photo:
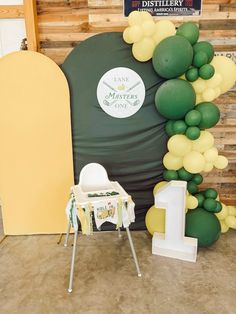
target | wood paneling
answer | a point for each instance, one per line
(65, 23)
(11, 11)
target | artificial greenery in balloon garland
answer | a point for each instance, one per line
(195, 77)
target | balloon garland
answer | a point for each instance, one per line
(195, 77)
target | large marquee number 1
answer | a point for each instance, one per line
(173, 243)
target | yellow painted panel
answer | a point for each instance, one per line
(36, 168)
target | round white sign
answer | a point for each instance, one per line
(121, 92)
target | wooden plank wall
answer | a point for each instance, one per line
(65, 23)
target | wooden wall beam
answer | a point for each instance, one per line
(31, 24)
(11, 11)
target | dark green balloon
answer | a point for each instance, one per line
(193, 118)
(206, 71)
(200, 197)
(218, 207)
(169, 128)
(169, 175)
(200, 58)
(172, 57)
(202, 225)
(206, 47)
(192, 187)
(184, 175)
(175, 98)
(190, 31)
(211, 193)
(179, 127)
(210, 114)
(210, 204)
(192, 74)
(197, 178)
(193, 133)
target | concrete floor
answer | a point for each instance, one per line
(34, 273)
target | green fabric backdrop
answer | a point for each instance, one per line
(131, 149)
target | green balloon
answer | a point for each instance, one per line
(193, 118)
(190, 31)
(210, 204)
(172, 57)
(206, 71)
(192, 187)
(197, 178)
(206, 47)
(192, 74)
(200, 58)
(184, 175)
(179, 127)
(200, 197)
(175, 98)
(218, 207)
(211, 193)
(193, 133)
(169, 128)
(210, 114)
(202, 225)
(169, 175)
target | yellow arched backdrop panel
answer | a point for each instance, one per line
(36, 169)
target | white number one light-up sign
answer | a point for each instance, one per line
(173, 243)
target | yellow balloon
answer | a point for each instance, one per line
(227, 69)
(221, 162)
(204, 142)
(172, 162)
(143, 50)
(146, 16)
(194, 162)
(208, 167)
(148, 28)
(217, 92)
(158, 186)
(163, 30)
(135, 18)
(135, 33)
(126, 36)
(223, 213)
(208, 94)
(214, 81)
(199, 85)
(179, 145)
(232, 210)
(211, 154)
(224, 227)
(230, 221)
(155, 220)
(199, 98)
(191, 202)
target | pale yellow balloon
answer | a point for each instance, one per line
(224, 227)
(199, 85)
(232, 210)
(126, 36)
(194, 162)
(198, 99)
(191, 202)
(223, 213)
(211, 154)
(221, 162)
(163, 30)
(158, 186)
(148, 28)
(135, 33)
(208, 167)
(135, 18)
(155, 220)
(227, 69)
(230, 221)
(179, 145)
(208, 94)
(218, 198)
(146, 16)
(214, 81)
(217, 91)
(143, 50)
(172, 162)
(204, 142)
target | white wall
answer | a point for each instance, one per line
(12, 31)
